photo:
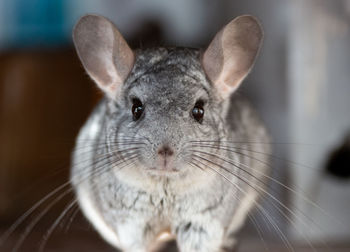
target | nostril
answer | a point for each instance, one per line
(165, 151)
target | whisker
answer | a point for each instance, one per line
(77, 210)
(62, 168)
(51, 174)
(272, 222)
(266, 193)
(22, 218)
(30, 227)
(101, 146)
(259, 230)
(119, 138)
(302, 196)
(227, 148)
(58, 220)
(218, 157)
(288, 188)
(54, 225)
(254, 142)
(251, 217)
(72, 218)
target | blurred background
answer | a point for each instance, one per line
(300, 85)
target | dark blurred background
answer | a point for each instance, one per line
(300, 85)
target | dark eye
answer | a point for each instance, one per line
(137, 109)
(198, 111)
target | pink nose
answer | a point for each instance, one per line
(165, 151)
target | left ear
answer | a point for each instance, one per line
(231, 55)
(104, 53)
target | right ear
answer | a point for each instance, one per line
(231, 54)
(103, 51)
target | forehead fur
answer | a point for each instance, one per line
(167, 69)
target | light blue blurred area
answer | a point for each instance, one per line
(33, 23)
(38, 23)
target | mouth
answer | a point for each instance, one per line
(162, 172)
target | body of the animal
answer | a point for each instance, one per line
(171, 148)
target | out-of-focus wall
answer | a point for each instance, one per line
(319, 92)
(185, 23)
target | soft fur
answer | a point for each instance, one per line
(201, 204)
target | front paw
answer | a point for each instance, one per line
(192, 237)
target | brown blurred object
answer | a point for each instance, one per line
(45, 96)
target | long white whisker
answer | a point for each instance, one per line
(282, 235)
(250, 216)
(38, 204)
(269, 195)
(54, 225)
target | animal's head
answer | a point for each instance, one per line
(162, 101)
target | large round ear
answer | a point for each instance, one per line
(231, 54)
(103, 51)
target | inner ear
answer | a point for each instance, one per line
(105, 55)
(231, 54)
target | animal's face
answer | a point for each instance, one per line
(167, 104)
(162, 101)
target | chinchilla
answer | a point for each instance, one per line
(169, 149)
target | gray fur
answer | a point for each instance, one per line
(198, 206)
(205, 201)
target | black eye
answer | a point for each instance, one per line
(137, 109)
(198, 111)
